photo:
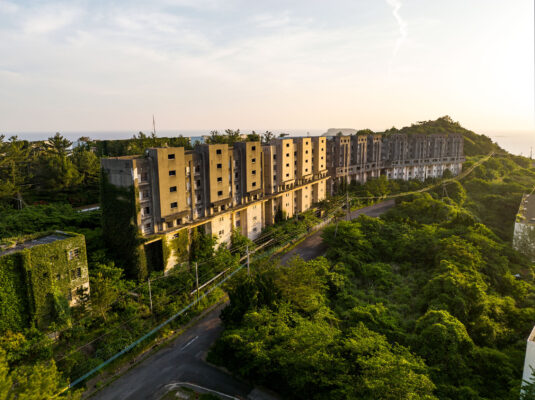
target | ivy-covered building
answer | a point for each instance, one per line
(524, 233)
(41, 276)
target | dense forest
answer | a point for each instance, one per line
(427, 302)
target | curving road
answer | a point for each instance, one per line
(182, 360)
(313, 245)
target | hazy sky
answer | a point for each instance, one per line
(207, 64)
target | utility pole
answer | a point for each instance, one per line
(197, 279)
(150, 297)
(347, 204)
(248, 269)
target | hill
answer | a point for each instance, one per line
(474, 144)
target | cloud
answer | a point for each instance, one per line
(402, 24)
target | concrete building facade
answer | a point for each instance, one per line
(42, 267)
(358, 158)
(247, 185)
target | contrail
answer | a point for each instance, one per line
(396, 5)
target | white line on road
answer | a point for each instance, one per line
(190, 342)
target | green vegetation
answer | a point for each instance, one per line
(120, 232)
(37, 283)
(421, 303)
(137, 145)
(44, 171)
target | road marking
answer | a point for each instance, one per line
(190, 342)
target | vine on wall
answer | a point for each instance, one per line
(35, 282)
(119, 229)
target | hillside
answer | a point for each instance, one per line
(474, 144)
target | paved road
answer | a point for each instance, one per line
(183, 361)
(313, 246)
(180, 362)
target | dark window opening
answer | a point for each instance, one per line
(172, 189)
(170, 156)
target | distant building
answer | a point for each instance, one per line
(39, 275)
(357, 158)
(529, 360)
(524, 232)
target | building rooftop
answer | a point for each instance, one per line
(526, 211)
(26, 244)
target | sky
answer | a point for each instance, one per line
(291, 65)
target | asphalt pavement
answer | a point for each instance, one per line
(183, 360)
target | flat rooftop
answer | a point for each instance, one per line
(46, 239)
(526, 211)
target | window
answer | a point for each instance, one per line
(197, 168)
(254, 218)
(287, 144)
(198, 183)
(170, 224)
(306, 161)
(172, 173)
(220, 193)
(255, 229)
(306, 169)
(274, 177)
(218, 151)
(288, 164)
(174, 204)
(274, 156)
(170, 156)
(219, 166)
(253, 148)
(287, 154)
(253, 171)
(146, 211)
(172, 189)
(199, 197)
(144, 177)
(73, 254)
(306, 151)
(221, 232)
(145, 194)
(287, 175)
(254, 184)
(147, 225)
(78, 272)
(295, 153)
(219, 180)
(253, 160)
(236, 175)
